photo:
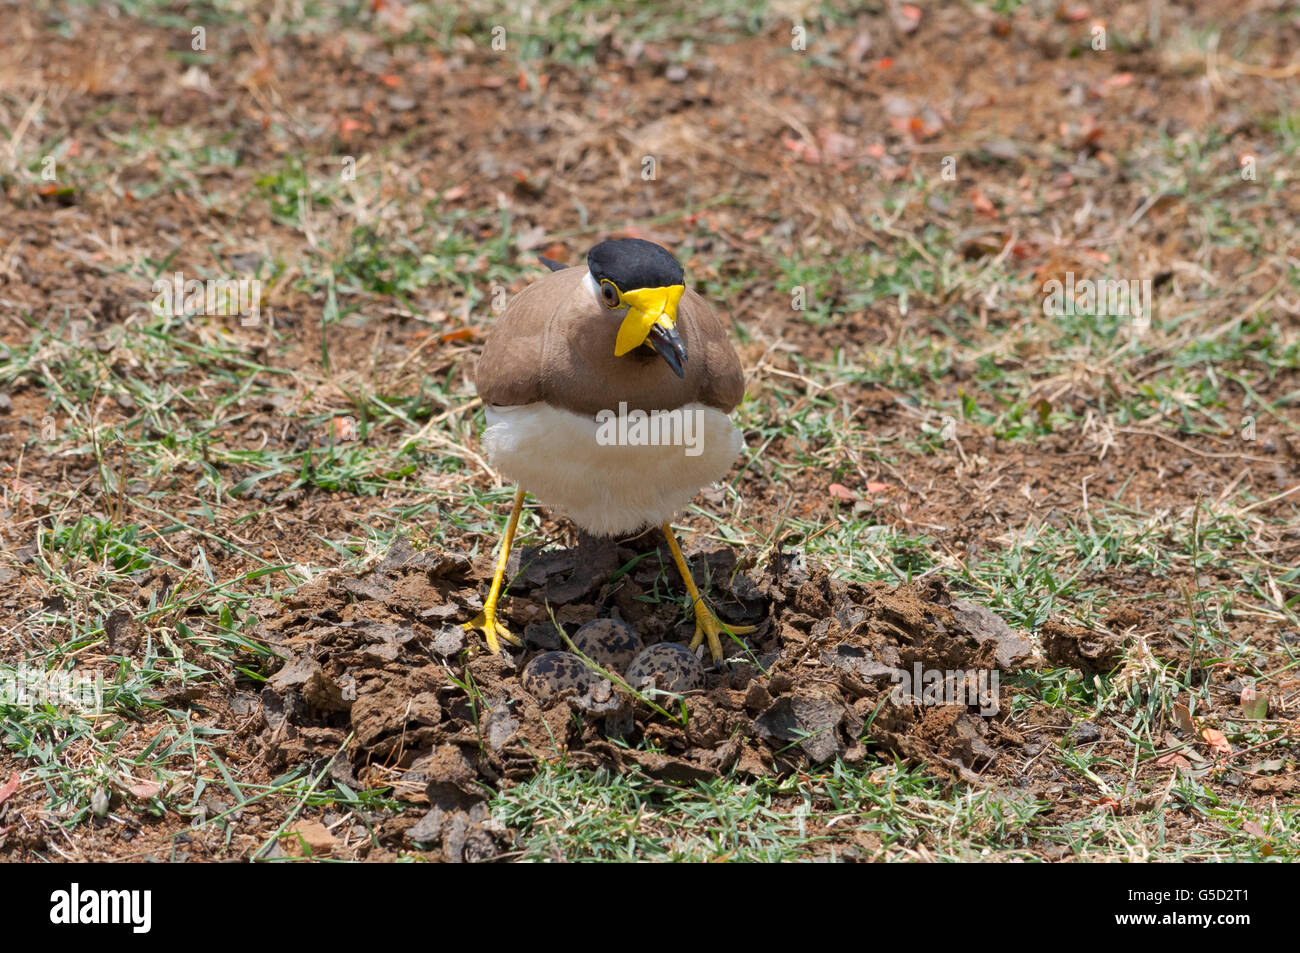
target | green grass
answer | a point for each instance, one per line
(878, 811)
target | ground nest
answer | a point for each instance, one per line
(380, 677)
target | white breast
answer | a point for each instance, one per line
(609, 488)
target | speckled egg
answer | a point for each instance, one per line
(671, 667)
(609, 643)
(550, 673)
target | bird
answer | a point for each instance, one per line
(579, 365)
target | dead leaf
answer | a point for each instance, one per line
(1268, 766)
(344, 428)
(1183, 718)
(1118, 81)
(806, 151)
(1072, 14)
(840, 492)
(909, 17)
(1253, 705)
(145, 791)
(9, 788)
(349, 126)
(981, 203)
(310, 836)
(1217, 742)
(1171, 740)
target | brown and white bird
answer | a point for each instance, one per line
(581, 378)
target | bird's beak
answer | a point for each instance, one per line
(668, 345)
(647, 309)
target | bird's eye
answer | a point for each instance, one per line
(609, 294)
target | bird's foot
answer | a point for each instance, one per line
(709, 626)
(486, 622)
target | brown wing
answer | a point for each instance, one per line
(722, 382)
(555, 344)
(509, 370)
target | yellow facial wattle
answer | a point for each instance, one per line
(646, 307)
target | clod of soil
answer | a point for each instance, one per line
(1073, 646)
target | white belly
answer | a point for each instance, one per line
(611, 488)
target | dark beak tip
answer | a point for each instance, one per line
(669, 346)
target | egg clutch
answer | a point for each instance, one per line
(616, 647)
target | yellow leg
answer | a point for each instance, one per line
(486, 621)
(707, 625)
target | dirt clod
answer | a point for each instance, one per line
(1072, 646)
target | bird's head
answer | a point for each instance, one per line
(643, 283)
